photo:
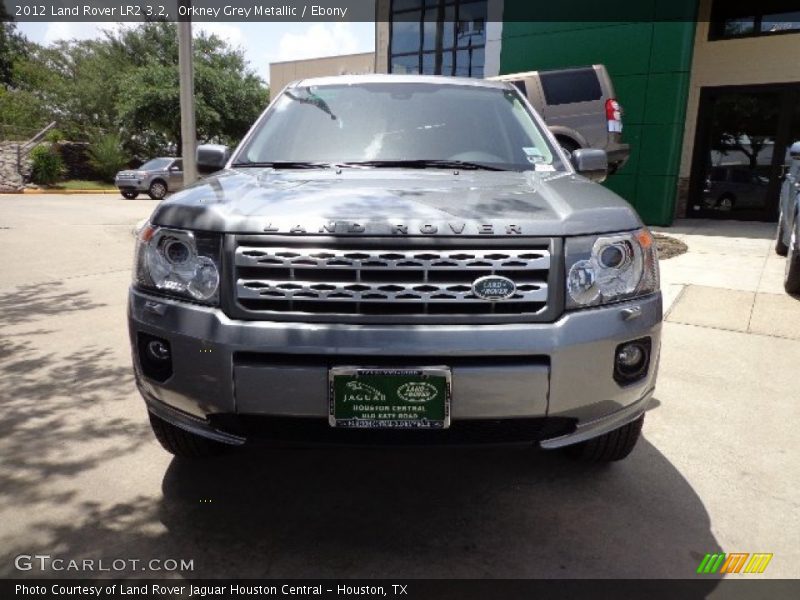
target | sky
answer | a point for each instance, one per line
(262, 42)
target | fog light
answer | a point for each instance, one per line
(158, 350)
(155, 357)
(632, 360)
(630, 356)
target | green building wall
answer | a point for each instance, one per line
(649, 61)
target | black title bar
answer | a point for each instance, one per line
(413, 589)
(196, 10)
(606, 11)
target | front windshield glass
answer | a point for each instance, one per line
(157, 164)
(397, 122)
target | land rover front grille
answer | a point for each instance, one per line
(387, 282)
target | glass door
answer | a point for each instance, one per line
(742, 137)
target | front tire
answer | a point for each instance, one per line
(614, 445)
(181, 443)
(726, 203)
(158, 189)
(791, 280)
(130, 195)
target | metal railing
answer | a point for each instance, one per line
(25, 139)
(24, 149)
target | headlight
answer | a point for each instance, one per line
(610, 268)
(178, 262)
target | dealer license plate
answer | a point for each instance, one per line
(416, 398)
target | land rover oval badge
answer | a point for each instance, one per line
(493, 287)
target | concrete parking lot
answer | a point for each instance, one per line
(82, 477)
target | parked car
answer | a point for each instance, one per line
(156, 178)
(408, 259)
(734, 186)
(788, 237)
(579, 106)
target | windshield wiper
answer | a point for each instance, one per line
(427, 164)
(315, 101)
(285, 164)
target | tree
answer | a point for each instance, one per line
(9, 47)
(228, 96)
(21, 112)
(106, 156)
(126, 83)
(743, 122)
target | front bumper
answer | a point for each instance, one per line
(561, 371)
(133, 185)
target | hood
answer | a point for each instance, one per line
(397, 202)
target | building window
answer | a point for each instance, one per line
(748, 18)
(438, 37)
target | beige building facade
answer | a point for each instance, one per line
(744, 68)
(282, 73)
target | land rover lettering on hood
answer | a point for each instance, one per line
(397, 259)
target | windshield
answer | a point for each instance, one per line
(400, 122)
(157, 164)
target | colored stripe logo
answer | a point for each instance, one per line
(735, 562)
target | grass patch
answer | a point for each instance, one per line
(81, 184)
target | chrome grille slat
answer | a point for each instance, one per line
(426, 260)
(360, 292)
(275, 279)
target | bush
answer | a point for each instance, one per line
(107, 157)
(47, 166)
(54, 136)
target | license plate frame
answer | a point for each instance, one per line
(389, 398)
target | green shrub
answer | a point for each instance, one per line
(107, 157)
(47, 166)
(54, 136)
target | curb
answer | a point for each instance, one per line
(68, 192)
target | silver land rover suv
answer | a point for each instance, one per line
(397, 259)
(155, 178)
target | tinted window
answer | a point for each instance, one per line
(178, 164)
(469, 63)
(745, 18)
(471, 26)
(440, 37)
(399, 121)
(406, 34)
(406, 4)
(779, 22)
(574, 85)
(405, 65)
(157, 164)
(429, 30)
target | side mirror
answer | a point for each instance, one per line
(212, 157)
(592, 163)
(794, 151)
